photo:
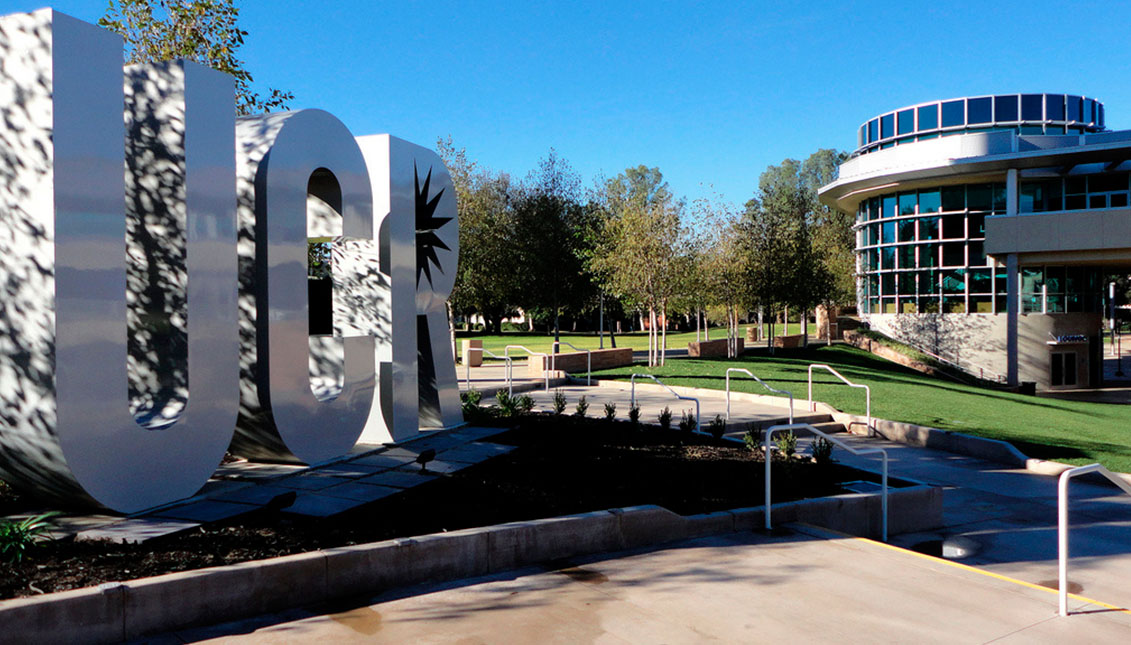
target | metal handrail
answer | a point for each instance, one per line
(507, 353)
(867, 391)
(588, 359)
(632, 397)
(855, 451)
(1062, 520)
(510, 387)
(764, 384)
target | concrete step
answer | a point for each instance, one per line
(830, 427)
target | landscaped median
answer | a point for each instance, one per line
(118, 611)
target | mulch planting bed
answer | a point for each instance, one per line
(563, 465)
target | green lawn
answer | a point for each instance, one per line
(1069, 431)
(537, 342)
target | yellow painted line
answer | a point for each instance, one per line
(966, 567)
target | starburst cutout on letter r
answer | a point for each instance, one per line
(426, 226)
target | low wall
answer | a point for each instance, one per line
(857, 339)
(788, 342)
(923, 436)
(575, 362)
(134, 609)
(712, 348)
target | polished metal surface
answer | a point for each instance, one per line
(64, 264)
(281, 417)
(419, 232)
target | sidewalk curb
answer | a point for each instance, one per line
(132, 609)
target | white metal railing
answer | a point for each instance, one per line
(467, 378)
(1062, 520)
(764, 384)
(867, 391)
(856, 451)
(546, 374)
(588, 359)
(632, 397)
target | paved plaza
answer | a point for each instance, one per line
(807, 586)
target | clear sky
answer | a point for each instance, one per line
(709, 92)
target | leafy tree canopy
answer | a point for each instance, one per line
(204, 31)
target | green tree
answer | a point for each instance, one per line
(834, 241)
(550, 226)
(724, 263)
(782, 267)
(486, 281)
(801, 250)
(204, 31)
(638, 255)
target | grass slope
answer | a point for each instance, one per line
(1070, 431)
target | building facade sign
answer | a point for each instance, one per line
(154, 261)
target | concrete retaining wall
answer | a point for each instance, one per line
(575, 362)
(956, 442)
(133, 609)
(712, 348)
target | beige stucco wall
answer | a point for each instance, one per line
(967, 339)
(979, 339)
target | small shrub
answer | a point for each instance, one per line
(753, 439)
(687, 421)
(16, 538)
(717, 427)
(665, 418)
(582, 406)
(469, 404)
(525, 404)
(559, 401)
(634, 416)
(786, 443)
(822, 450)
(508, 403)
(610, 411)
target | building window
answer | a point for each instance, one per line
(979, 110)
(1005, 108)
(953, 113)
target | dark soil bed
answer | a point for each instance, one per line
(562, 466)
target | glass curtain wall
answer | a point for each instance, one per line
(924, 252)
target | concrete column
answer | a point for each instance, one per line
(1011, 192)
(1013, 310)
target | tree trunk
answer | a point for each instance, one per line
(698, 326)
(706, 327)
(804, 327)
(664, 330)
(652, 336)
(557, 330)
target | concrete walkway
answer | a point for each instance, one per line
(738, 588)
(996, 517)
(1004, 520)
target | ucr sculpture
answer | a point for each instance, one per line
(154, 271)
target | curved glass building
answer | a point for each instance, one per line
(984, 228)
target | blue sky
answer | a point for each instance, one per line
(710, 92)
